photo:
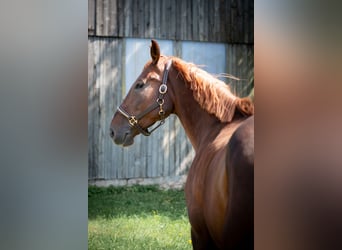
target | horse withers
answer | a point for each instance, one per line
(220, 184)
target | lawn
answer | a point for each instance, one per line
(137, 217)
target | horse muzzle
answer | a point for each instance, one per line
(121, 137)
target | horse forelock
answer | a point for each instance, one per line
(212, 94)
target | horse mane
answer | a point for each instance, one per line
(212, 94)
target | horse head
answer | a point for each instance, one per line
(146, 103)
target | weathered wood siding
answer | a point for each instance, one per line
(167, 154)
(195, 20)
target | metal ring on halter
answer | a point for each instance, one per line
(160, 101)
(163, 89)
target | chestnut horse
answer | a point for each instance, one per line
(220, 185)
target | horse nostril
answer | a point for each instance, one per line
(111, 133)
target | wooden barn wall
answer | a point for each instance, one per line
(167, 153)
(226, 21)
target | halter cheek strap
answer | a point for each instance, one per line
(134, 120)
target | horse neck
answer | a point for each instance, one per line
(200, 126)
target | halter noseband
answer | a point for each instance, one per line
(134, 120)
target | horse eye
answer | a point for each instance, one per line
(139, 85)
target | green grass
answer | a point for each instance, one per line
(137, 217)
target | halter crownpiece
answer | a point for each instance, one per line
(134, 120)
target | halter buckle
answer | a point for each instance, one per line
(163, 89)
(132, 121)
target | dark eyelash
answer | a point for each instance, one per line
(139, 85)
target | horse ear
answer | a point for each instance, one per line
(155, 52)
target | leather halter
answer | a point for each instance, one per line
(134, 120)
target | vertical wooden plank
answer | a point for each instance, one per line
(152, 18)
(251, 22)
(91, 17)
(166, 148)
(178, 20)
(107, 109)
(240, 26)
(215, 23)
(133, 153)
(111, 90)
(156, 10)
(102, 102)
(160, 155)
(99, 17)
(128, 15)
(143, 156)
(129, 160)
(195, 20)
(137, 156)
(114, 95)
(148, 19)
(155, 154)
(202, 20)
(224, 22)
(92, 110)
(246, 32)
(228, 21)
(234, 21)
(135, 19)
(113, 24)
(96, 105)
(118, 152)
(149, 158)
(163, 19)
(211, 17)
(125, 163)
(141, 19)
(120, 18)
(105, 17)
(98, 83)
(188, 24)
(171, 15)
